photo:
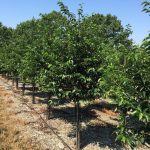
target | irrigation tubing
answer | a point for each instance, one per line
(44, 121)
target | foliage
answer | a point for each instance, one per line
(146, 6)
(5, 39)
(83, 58)
(128, 84)
(50, 26)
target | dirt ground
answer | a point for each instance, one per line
(23, 125)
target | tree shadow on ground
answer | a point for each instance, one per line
(103, 135)
(38, 94)
(69, 114)
(100, 132)
(102, 105)
(86, 112)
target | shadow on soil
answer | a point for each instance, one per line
(102, 133)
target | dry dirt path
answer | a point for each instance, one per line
(21, 128)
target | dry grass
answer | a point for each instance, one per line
(22, 130)
(109, 112)
(10, 137)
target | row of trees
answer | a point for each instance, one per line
(83, 58)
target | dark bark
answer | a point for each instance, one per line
(49, 112)
(16, 82)
(49, 108)
(13, 81)
(7, 76)
(78, 125)
(23, 89)
(33, 93)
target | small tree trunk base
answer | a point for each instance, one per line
(33, 93)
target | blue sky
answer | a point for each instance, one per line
(12, 12)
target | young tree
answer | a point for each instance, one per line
(50, 27)
(5, 40)
(31, 61)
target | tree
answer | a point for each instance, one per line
(50, 27)
(127, 82)
(5, 39)
(31, 61)
(146, 6)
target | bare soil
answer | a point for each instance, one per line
(23, 125)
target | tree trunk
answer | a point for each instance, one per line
(49, 108)
(13, 81)
(16, 82)
(33, 93)
(49, 111)
(7, 77)
(78, 125)
(23, 89)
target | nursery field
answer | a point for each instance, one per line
(24, 126)
(72, 81)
